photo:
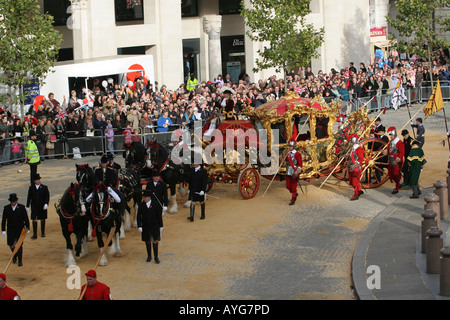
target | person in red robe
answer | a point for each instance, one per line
(396, 154)
(294, 163)
(95, 290)
(354, 162)
(6, 293)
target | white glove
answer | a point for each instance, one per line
(45, 206)
(140, 229)
(201, 193)
(164, 208)
(28, 209)
(3, 233)
(412, 123)
(448, 134)
(161, 229)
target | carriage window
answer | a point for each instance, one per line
(281, 128)
(322, 127)
(299, 128)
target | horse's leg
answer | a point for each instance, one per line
(101, 244)
(182, 190)
(89, 233)
(173, 192)
(127, 222)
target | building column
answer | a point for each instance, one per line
(81, 29)
(212, 24)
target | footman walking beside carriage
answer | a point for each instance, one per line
(38, 199)
(197, 189)
(14, 219)
(150, 223)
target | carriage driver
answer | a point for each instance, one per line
(109, 177)
(294, 165)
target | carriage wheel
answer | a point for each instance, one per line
(248, 183)
(375, 167)
(341, 171)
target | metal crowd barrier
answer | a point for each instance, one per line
(87, 145)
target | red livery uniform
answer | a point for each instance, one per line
(6, 293)
(396, 155)
(95, 290)
(294, 163)
(354, 161)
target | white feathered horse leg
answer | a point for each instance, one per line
(116, 246)
(127, 223)
(182, 190)
(187, 204)
(103, 259)
(70, 259)
(174, 208)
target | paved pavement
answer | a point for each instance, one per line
(392, 242)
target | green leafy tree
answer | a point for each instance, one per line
(420, 29)
(282, 25)
(28, 47)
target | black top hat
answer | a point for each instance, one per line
(104, 159)
(110, 156)
(37, 177)
(155, 172)
(146, 193)
(13, 197)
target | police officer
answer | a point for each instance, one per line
(14, 219)
(38, 197)
(32, 155)
(150, 224)
(197, 189)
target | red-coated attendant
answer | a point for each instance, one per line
(95, 290)
(294, 163)
(6, 293)
(396, 155)
(354, 162)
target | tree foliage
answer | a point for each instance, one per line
(420, 29)
(282, 25)
(28, 46)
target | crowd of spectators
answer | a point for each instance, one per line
(118, 109)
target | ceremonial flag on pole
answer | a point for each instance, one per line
(436, 102)
(399, 95)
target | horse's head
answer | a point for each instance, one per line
(70, 203)
(100, 200)
(156, 155)
(82, 173)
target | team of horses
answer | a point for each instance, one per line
(87, 211)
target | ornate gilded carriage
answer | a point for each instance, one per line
(311, 123)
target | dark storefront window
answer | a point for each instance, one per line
(129, 10)
(233, 56)
(59, 9)
(229, 6)
(189, 8)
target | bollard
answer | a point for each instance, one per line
(440, 188)
(434, 246)
(444, 277)
(429, 220)
(432, 202)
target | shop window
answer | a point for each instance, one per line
(129, 10)
(59, 9)
(189, 8)
(229, 7)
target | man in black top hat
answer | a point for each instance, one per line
(158, 189)
(150, 224)
(39, 198)
(197, 189)
(14, 219)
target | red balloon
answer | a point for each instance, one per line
(132, 76)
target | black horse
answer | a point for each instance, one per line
(73, 221)
(135, 155)
(104, 213)
(172, 174)
(130, 185)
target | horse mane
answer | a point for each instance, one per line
(162, 153)
(67, 206)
